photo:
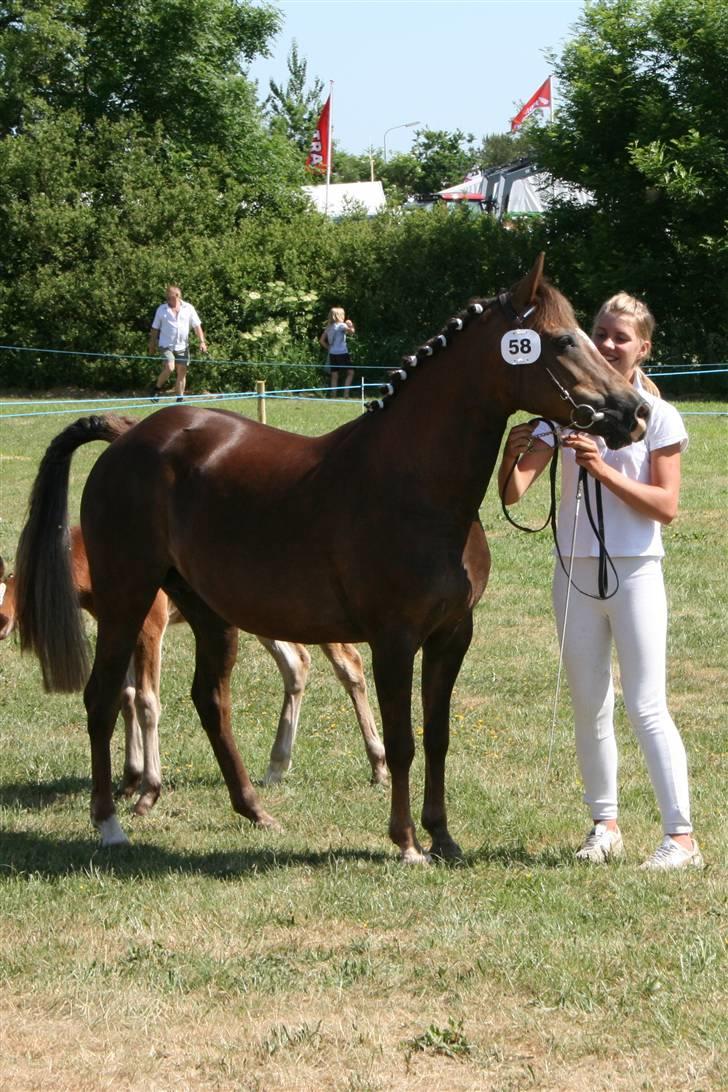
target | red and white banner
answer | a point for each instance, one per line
(318, 156)
(538, 101)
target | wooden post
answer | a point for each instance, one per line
(260, 391)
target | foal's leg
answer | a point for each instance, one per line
(147, 659)
(442, 656)
(293, 662)
(133, 746)
(392, 664)
(347, 663)
(216, 651)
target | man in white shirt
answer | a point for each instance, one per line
(169, 335)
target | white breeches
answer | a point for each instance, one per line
(636, 620)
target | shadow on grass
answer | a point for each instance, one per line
(35, 797)
(28, 854)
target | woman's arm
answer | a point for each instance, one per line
(324, 340)
(523, 460)
(657, 499)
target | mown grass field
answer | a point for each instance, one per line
(208, 955)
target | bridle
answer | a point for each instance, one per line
(583, 416)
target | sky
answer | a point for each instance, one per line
(445, 64)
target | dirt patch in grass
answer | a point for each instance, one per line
(128, 1041)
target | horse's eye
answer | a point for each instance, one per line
(564, 342)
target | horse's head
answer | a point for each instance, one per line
(552, 368)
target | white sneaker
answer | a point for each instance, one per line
(670, 855)
(601, 845)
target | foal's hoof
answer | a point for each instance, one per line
(129, 785)
(446, 849)
(146, 801)
(267, 822)
(111, 832)
(274, 775)
(415, 856)
(380, 775)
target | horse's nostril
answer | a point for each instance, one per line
(643, 411)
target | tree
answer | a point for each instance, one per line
(294, 109)
(641, 125)
(177, 63)
(444, 158)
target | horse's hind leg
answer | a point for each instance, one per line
(293, 662)
(216, 652)
(349, 668)
(101, 697)
(442, 656)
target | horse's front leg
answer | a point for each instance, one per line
(392, 664)
(293, 662)
(349, 668)
(442, 657)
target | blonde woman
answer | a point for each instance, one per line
(333, 339)
(641, 487)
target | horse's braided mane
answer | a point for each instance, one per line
(553, 312)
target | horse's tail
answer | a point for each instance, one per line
(48, 613)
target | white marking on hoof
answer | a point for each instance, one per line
(111, 832)
(414, 856)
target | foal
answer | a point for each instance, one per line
(140, 704)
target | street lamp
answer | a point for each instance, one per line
(404, 125)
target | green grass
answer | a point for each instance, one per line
(211, 955)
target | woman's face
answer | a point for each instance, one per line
(617, 340)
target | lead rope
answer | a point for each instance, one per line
(569, 583)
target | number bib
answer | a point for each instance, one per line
(520, 347)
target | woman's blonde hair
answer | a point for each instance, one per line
(643, 321)
(336, 314)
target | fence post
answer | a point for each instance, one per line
(260, 391)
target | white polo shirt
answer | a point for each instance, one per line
(626, 533)
(174, 329)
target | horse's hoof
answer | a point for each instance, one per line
(267, 822)
(415, 856)
(273, 776)
(111, 832)
(128, 787)
(446, 849)
(146, 802)
(380, 776)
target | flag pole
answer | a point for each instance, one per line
(329, 148)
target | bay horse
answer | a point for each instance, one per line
(140, 704)
(246, 526)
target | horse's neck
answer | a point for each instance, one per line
(446, 427)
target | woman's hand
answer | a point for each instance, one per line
(519, 441)
(586, 453)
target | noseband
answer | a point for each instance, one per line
(583, 416)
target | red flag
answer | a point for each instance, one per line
(318, 156)
(537, 101)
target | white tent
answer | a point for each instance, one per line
(516, 189)
(347, 197)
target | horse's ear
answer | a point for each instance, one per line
(524, 294)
